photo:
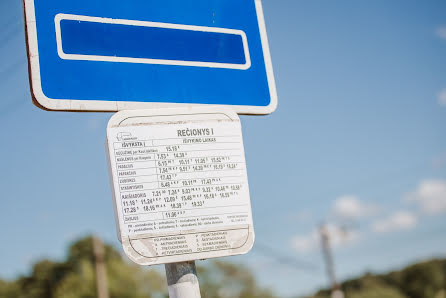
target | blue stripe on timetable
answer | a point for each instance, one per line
(91, 38)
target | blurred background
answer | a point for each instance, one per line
(347, 177)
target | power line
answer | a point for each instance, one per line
(286, 260)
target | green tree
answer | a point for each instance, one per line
(226, 280)
(368, 286)
(75, 278)
(422, 280)
(425, 279)
(371, 286)
(9, 289)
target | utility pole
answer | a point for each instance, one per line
(336, 291)
(182, 280)
(101, 275)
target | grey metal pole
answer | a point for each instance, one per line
(336, 291)
(101, 275)
(326, 250)
(182, 280)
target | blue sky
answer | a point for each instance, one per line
(358, 140)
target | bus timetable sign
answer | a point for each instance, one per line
(180, 184)
(109, 55)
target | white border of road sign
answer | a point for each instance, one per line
(65, 56)
(42, 101)
(244, 233)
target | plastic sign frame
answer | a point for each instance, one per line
(42, 99)
(217, 228)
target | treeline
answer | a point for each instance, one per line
(75, 278)
(422, 280)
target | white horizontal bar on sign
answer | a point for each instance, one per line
(128, 41)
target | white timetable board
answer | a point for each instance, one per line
(180, 184)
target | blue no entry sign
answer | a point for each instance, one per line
(110, 55)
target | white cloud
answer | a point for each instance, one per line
(305, 243)
(441, 32)
(402, 220)
(442, 98)
(337, 235)
(351, 208)
(430, 196)
(340, 236)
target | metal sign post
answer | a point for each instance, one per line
(182, 280)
